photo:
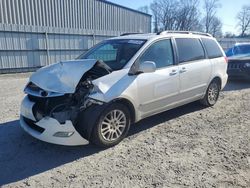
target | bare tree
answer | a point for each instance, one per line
(167, 13)
(244, 19)
(210, 8)
(216, 27)
(175, 15)
(155, 12)
(188, 15)
(144, 9)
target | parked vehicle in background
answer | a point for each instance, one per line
(239, 61)
(121, 81)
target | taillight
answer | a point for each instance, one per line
(226, 59)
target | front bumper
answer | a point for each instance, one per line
(238, 73)
(48, 127)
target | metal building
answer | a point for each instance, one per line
(34, 33)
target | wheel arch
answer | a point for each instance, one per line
(91, 114)
(217, 79)
(129, 105)
(204, 100)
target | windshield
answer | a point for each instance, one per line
(239, 50)
(115, 53)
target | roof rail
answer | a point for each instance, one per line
(185, 32)
(124, 34)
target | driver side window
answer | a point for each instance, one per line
(160, 52)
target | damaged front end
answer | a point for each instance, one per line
(61, 108)
(52, 115)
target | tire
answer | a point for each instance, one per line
(212, 94)
(112, 125)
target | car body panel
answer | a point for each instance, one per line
(106, 82)
(194, 81)
(157, 90)
(62, 77)
(219, 68)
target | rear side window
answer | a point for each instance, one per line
(189, 49)
(213, 50)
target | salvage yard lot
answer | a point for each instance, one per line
(185, 147)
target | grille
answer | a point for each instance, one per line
(33, 126)
(235, 65)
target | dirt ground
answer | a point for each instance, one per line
(190, 146)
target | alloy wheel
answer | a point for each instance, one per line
(113, 125)
(213, 93)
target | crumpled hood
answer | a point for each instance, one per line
(62, 77)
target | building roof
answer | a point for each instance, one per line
(114, 4)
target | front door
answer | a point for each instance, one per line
(159, 89)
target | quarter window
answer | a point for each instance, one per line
(213, 50)
(189, 49)
(160, 52)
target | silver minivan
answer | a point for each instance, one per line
(120, 81)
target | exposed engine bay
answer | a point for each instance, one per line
(66, 106)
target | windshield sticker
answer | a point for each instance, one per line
(135, 41)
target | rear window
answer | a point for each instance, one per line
(213, 50)
(189, 49)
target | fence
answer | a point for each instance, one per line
(27, 51)
(227, 43)
(34, 33)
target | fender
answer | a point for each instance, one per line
(88, 118)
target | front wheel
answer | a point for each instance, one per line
(212, 94)
(112, 125)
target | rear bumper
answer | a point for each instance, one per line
(49, 129)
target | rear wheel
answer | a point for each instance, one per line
(212, 94)
(112, 126)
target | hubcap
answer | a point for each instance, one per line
(213, 92)
(113, 125)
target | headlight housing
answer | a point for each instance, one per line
(34, 90)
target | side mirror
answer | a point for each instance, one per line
(146, 67)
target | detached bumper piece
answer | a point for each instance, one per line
(49, 129)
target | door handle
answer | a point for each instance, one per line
(183, 70)
(174, 72)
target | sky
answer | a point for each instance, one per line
(227, 13)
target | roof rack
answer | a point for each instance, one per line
(185, 32)
(124, 34)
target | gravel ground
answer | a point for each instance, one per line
(189, 146)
